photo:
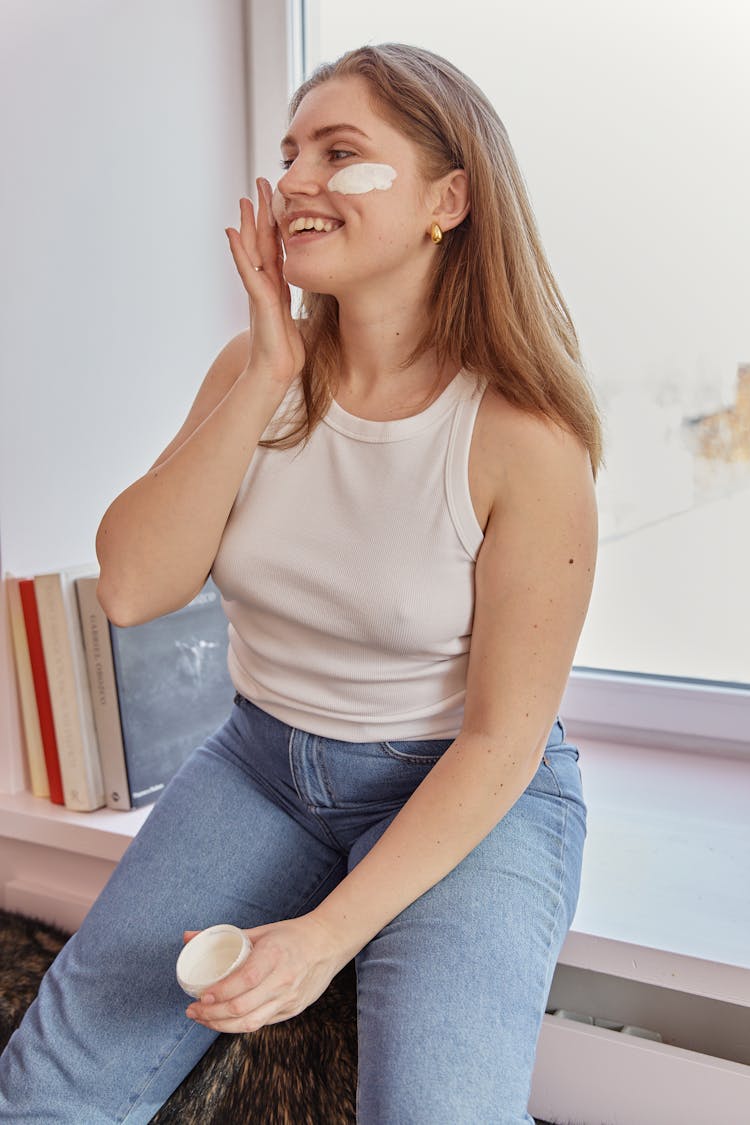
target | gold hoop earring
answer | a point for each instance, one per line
(436, 233)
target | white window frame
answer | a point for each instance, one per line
(274, 52)
(676, 714)
(601, 704)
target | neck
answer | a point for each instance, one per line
(377, 336)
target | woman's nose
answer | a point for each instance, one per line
(300, 178)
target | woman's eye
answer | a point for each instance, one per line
(334, 154)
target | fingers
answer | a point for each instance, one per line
(253, 1021)
(249, 234)
(260, 987)
(234, 1012)
(244, 1009)
(246, 261)
(256, 247)
(266, 193)
(269, 235)
(285, 972)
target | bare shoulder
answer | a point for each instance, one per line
(229, 363)
(218, 381)
(517, 455)
(221, 376)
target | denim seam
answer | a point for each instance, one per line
(560, 897)
(555, 778)
(303, 906)
(153, 1072)
(320, 763)
(320, 766)
(229, 757)
(312, 809)
(417, 759)
(269, 792)
(358, 1089)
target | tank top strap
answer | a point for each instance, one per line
(457, 488)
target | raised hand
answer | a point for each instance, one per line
(277, 351)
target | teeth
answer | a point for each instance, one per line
(310, 223)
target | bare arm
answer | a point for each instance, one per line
(157, 541)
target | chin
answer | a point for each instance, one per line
(304, 275)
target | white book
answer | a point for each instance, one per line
(103, 686)
(25, 679)
(72, 712)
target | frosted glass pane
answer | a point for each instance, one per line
(630, 123)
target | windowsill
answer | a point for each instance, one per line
(663, 895)
(104, 833)
(663, 891)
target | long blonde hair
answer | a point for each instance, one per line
(495, 307)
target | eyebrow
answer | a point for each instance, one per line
(324, 131)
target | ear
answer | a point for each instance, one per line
(451, 199)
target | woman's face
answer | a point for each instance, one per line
(358, 178)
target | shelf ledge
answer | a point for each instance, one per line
(104, 833)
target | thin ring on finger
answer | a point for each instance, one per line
(258, 269)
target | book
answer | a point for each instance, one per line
(171, 685)
(103, 687)
(41, 689)
(32, 731)
(65, 662)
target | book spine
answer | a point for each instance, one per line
(103, 686)
(25, 680)
(65, 662)
(41, 690)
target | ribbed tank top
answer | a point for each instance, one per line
(347, 573)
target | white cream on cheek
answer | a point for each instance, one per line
(359, 178)
(354, 180)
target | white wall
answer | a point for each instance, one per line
(125, 138)
(123, 144)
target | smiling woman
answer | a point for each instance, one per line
(394, 494)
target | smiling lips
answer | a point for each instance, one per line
(313, 222)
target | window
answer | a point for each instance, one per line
(628, 123)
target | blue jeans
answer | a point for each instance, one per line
(260, 824)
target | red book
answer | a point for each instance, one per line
(41, 689)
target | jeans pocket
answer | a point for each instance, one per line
(559, 774)
(415, 752)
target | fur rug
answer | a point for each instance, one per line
(299, 1072)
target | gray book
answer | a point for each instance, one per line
(173, 689)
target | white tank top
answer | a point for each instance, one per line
(347, 573)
